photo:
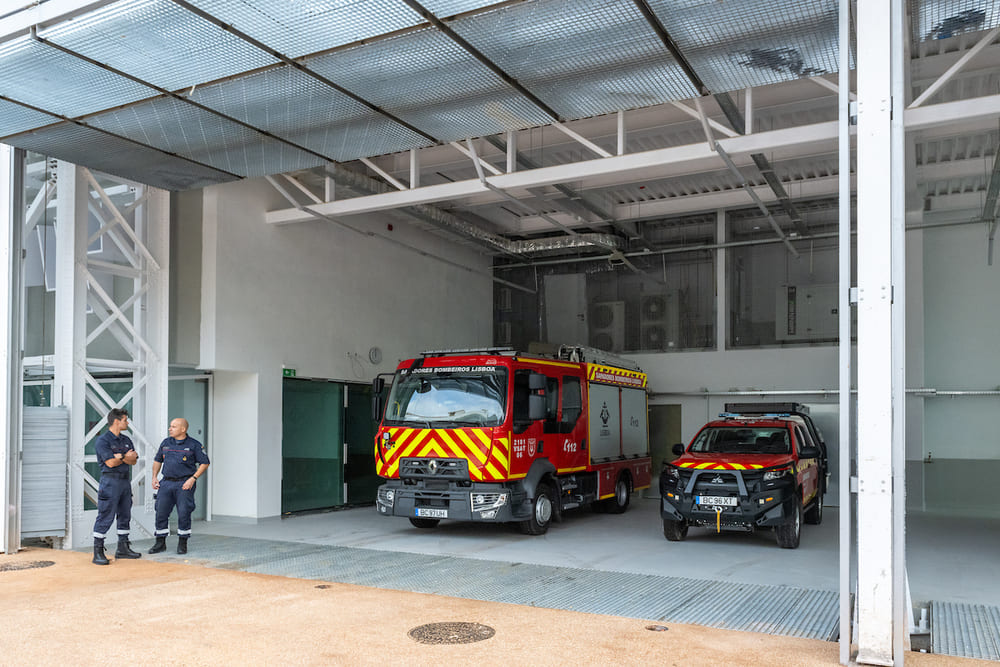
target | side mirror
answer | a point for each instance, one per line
(809, 452)
(536, 407)
(678, 449)
(378, 385)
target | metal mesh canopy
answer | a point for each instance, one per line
(372, 77)
(941, 19)
(734, 45)
(583, 58)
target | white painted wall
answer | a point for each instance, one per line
(315, 297)
(234, 469)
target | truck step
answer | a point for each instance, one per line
(569, 506)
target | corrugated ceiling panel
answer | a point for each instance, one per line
(582, 58)
(176, 127)
(430, 82)
(90, 148)
(158, 41)
(941, 19)
(734, 45)
(297, 107)
(307, 26)
(43, 77)
(15, 118)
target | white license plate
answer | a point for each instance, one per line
(431, 513)
(716, 500)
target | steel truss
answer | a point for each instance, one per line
(112, 253)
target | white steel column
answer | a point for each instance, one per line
(846, 546)
(123, 281)
(11, 291)
(71, 335)
(721, 286)
(875, 336)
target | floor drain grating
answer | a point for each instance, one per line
(26, 565)
(451, 633)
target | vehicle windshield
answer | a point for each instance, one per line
(443, 397)
(742, 440)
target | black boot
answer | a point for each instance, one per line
(124, 550)
(99, 557)
(182, 545)
(161, 545)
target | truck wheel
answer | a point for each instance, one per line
(788, 533)
(420, 522)
(675, 531)
(814, 515)
(541, 511)
(623, 493)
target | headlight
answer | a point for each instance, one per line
(672, 474)
(487, 501)
(772, 475)
(385, 441)
(386, 496)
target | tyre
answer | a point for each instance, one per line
(788, 533)
(814, 515)
(421, 522)
(675, 531)
(623, 495)
(541, 511)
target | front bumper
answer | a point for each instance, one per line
(755, 507)
(490, 503)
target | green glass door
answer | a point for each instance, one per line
(359, 436)
(312, 445)
(187, 397)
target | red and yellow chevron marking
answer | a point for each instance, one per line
(718, 465)
(488, 459)
(612, 375)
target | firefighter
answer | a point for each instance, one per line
(183, 461)
(116, 455)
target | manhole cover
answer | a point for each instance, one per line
(451, 633)
(26, 565)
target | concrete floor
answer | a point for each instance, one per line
(948, 559)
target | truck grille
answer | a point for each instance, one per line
(430, 468)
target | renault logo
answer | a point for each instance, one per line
(433, 467)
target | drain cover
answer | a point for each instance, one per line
(26, 565)
(451, 633)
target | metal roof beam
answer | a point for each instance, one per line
(45, 14)
(659, 163)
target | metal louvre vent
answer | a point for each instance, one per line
(429, 81)
(72, 87)
(754, 42)
(116, 156)
(297, 107)
(599, 58)
(942, 19)
(296, 29)
(158, 41)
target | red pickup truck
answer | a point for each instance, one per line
(747, 471)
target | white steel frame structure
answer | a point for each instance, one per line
(135, 318)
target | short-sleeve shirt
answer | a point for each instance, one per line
(106, 446)
(180, 458)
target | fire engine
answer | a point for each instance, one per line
(501, 436)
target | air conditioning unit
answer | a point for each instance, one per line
(806, 312)
(659, 323)
(607, 326)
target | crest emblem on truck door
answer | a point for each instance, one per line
(605, 415)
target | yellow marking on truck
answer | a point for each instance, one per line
(605, 497)
(496, 473)
(471, 447)
(565, 470)
(500, 456)
(519, 475)
(561, 364)
(702, 466)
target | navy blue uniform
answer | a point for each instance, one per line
(114, 495)
(180, 459)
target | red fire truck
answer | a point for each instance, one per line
(501, 436)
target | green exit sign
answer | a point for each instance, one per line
(288, 372)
